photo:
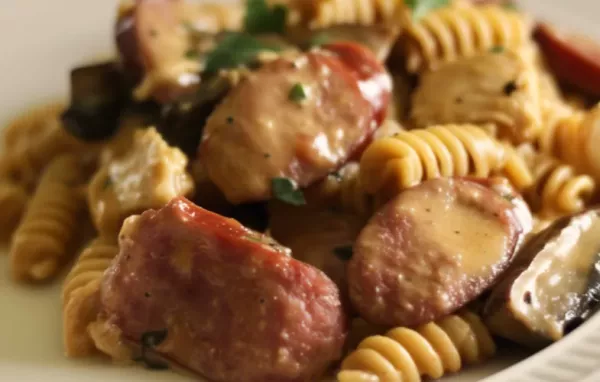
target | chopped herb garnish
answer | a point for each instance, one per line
(149, 341)
(510, 88)
(297, 93)
(319, 39)
(285, 189)
(192, 54)
(337, 176)
(230, 120)
(422, 7)
(344, 252)
(510, 5)
(497, 49)
(508, 196)
(260, 18)
(235, 50)
(255, 239)
(107, 183)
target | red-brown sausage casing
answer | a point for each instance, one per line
(430, 251)
(236, 306)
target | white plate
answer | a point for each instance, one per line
(40, 41)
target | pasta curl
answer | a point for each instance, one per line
(80, 295)
(13, 202)
(392, 164)
(31, 141)
(326, 13)
(44, 240)
(558, 189)
(405, 355)
(463, 30)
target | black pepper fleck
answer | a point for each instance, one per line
(230, 120)
(510, 88)
(267, 155)
(527, 297)
(262, 300)
(457, 232)
(147, 295)
(459, 100)
(153, 33)
(428, 209)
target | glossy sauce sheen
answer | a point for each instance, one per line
(235, 304)
(557, 280)
(430, 251)
(347, 93)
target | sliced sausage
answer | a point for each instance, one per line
(574, 59)
(430, 251)
(155, 37)
(231, 304)
(261, 131)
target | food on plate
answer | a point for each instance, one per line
(466, 91)
(552, 285)
(573, 58)
(392, 164)
(81, 295)
(148, 175)
(429, 350)
(48, 233)
(97, 98)
(460, 30)
(232, 303)
(407, 270)
(298, 118)
(374, 187)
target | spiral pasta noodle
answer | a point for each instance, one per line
(463, 30)
(13, 202)
(392, 164)
(431, 350)
(363, 12)
(557, 189)
(80, 295)
(31, 141)
(44, 239)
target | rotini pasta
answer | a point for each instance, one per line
(80, 295)
(44, 240)
(326, 13)
(405, 355)
(462, 30)
(498, 88)
(570, 136)
(31, 141)
(13, 201)
(557, 188)
(392, 164)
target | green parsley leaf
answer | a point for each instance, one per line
(297, 93)
(192, 54)
(286, 190)
(344, 253)
(255, 239)
(319, 39)
(422, 7)
(107, 183)
(235, 50)
(260, 18)
(497, 49)
(510, 5)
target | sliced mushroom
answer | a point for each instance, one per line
(553, 284)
